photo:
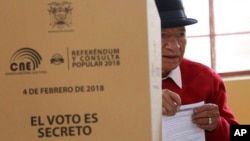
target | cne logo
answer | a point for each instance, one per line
(25, 59)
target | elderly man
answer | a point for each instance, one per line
(185, 81)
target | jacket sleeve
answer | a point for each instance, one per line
(219, 97)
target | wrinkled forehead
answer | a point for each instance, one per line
(173, 29)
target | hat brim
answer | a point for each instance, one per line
(177, 22)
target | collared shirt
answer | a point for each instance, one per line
(175, 75)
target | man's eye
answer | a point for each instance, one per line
(163, 35)
(181, 34)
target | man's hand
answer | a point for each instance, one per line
(207, 116)
(170, 102)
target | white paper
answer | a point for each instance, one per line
(180, 127)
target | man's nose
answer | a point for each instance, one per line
(171, 44)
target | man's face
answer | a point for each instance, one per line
(173, 48)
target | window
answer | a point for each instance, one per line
(221, 38)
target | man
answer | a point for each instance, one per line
(186, 82)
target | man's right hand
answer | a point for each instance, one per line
(170, 102)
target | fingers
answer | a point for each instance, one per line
(171, 97)
(207, 110)
(206, 116)
(170, 102)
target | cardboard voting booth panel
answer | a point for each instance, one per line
(80, 70)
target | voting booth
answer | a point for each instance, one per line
(80, 70)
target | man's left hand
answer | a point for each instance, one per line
(207, 116)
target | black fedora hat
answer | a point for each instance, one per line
(172, 14)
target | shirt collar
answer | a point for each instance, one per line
(176, 76)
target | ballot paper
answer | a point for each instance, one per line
(180, 127)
